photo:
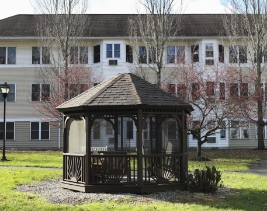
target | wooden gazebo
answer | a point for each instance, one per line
(148, 155)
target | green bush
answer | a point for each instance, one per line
(205, 181)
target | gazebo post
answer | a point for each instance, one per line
(183, 143)
(116, 132)
(88, 148)
(140, 148)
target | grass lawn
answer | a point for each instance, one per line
(251, 190)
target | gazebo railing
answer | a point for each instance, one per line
(162, 168)
(122, 168)
(74, 167)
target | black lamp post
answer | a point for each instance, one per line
(5, 90)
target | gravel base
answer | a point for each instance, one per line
(51, 190)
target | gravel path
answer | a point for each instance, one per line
(51, 190)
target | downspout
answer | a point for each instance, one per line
(58, 138)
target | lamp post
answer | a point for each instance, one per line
(5, 90)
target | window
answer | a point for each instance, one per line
(171, 89)
(7, 55)
(40, 130)
(76, 89)
(79, 55)
(223, 130)
(221, 53)
(222, 91)
(175, 54)
(11, 97)
(97, 54)
(40, 92)
(234, 90)
(239, 131)
(195, 53)
(237, 54)
(195, 91)
(181, 91)
(129, 54)
(209, 54)
(110, 53)
(96, 130)
(38, 53)
(129, 129)
(10, 128)
(142, 55)
(210, 88)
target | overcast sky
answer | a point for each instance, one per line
(13, 7)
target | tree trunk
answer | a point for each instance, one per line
(260, 110)
(198, 155)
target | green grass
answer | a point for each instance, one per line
(227, 160)
(251, 190)
(46, 159)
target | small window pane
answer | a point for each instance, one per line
(45, 135)
(180, 54)
(35, 135)
(45, 55)
(233, 54)
(34, 125)
(11, 55)
(35, 55)
(142, 55)
(74, 55)
(117, 51)
(2, 55)
(45, 92)
(83, 55)
(235, 130)
(109, 51)
(35, 92)
(171, 54)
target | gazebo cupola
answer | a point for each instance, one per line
(125, 135)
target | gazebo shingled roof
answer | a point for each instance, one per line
(124, 89)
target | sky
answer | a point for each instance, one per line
(13, 7)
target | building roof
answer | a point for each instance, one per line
(124, 89)
(115, 25)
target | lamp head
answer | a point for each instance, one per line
(4, 89)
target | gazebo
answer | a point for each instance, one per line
(125, 135)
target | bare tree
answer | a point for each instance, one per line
(151, 33)
(206, 88)
(247, 31)
(62, 54)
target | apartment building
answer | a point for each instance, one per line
(107, 49)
